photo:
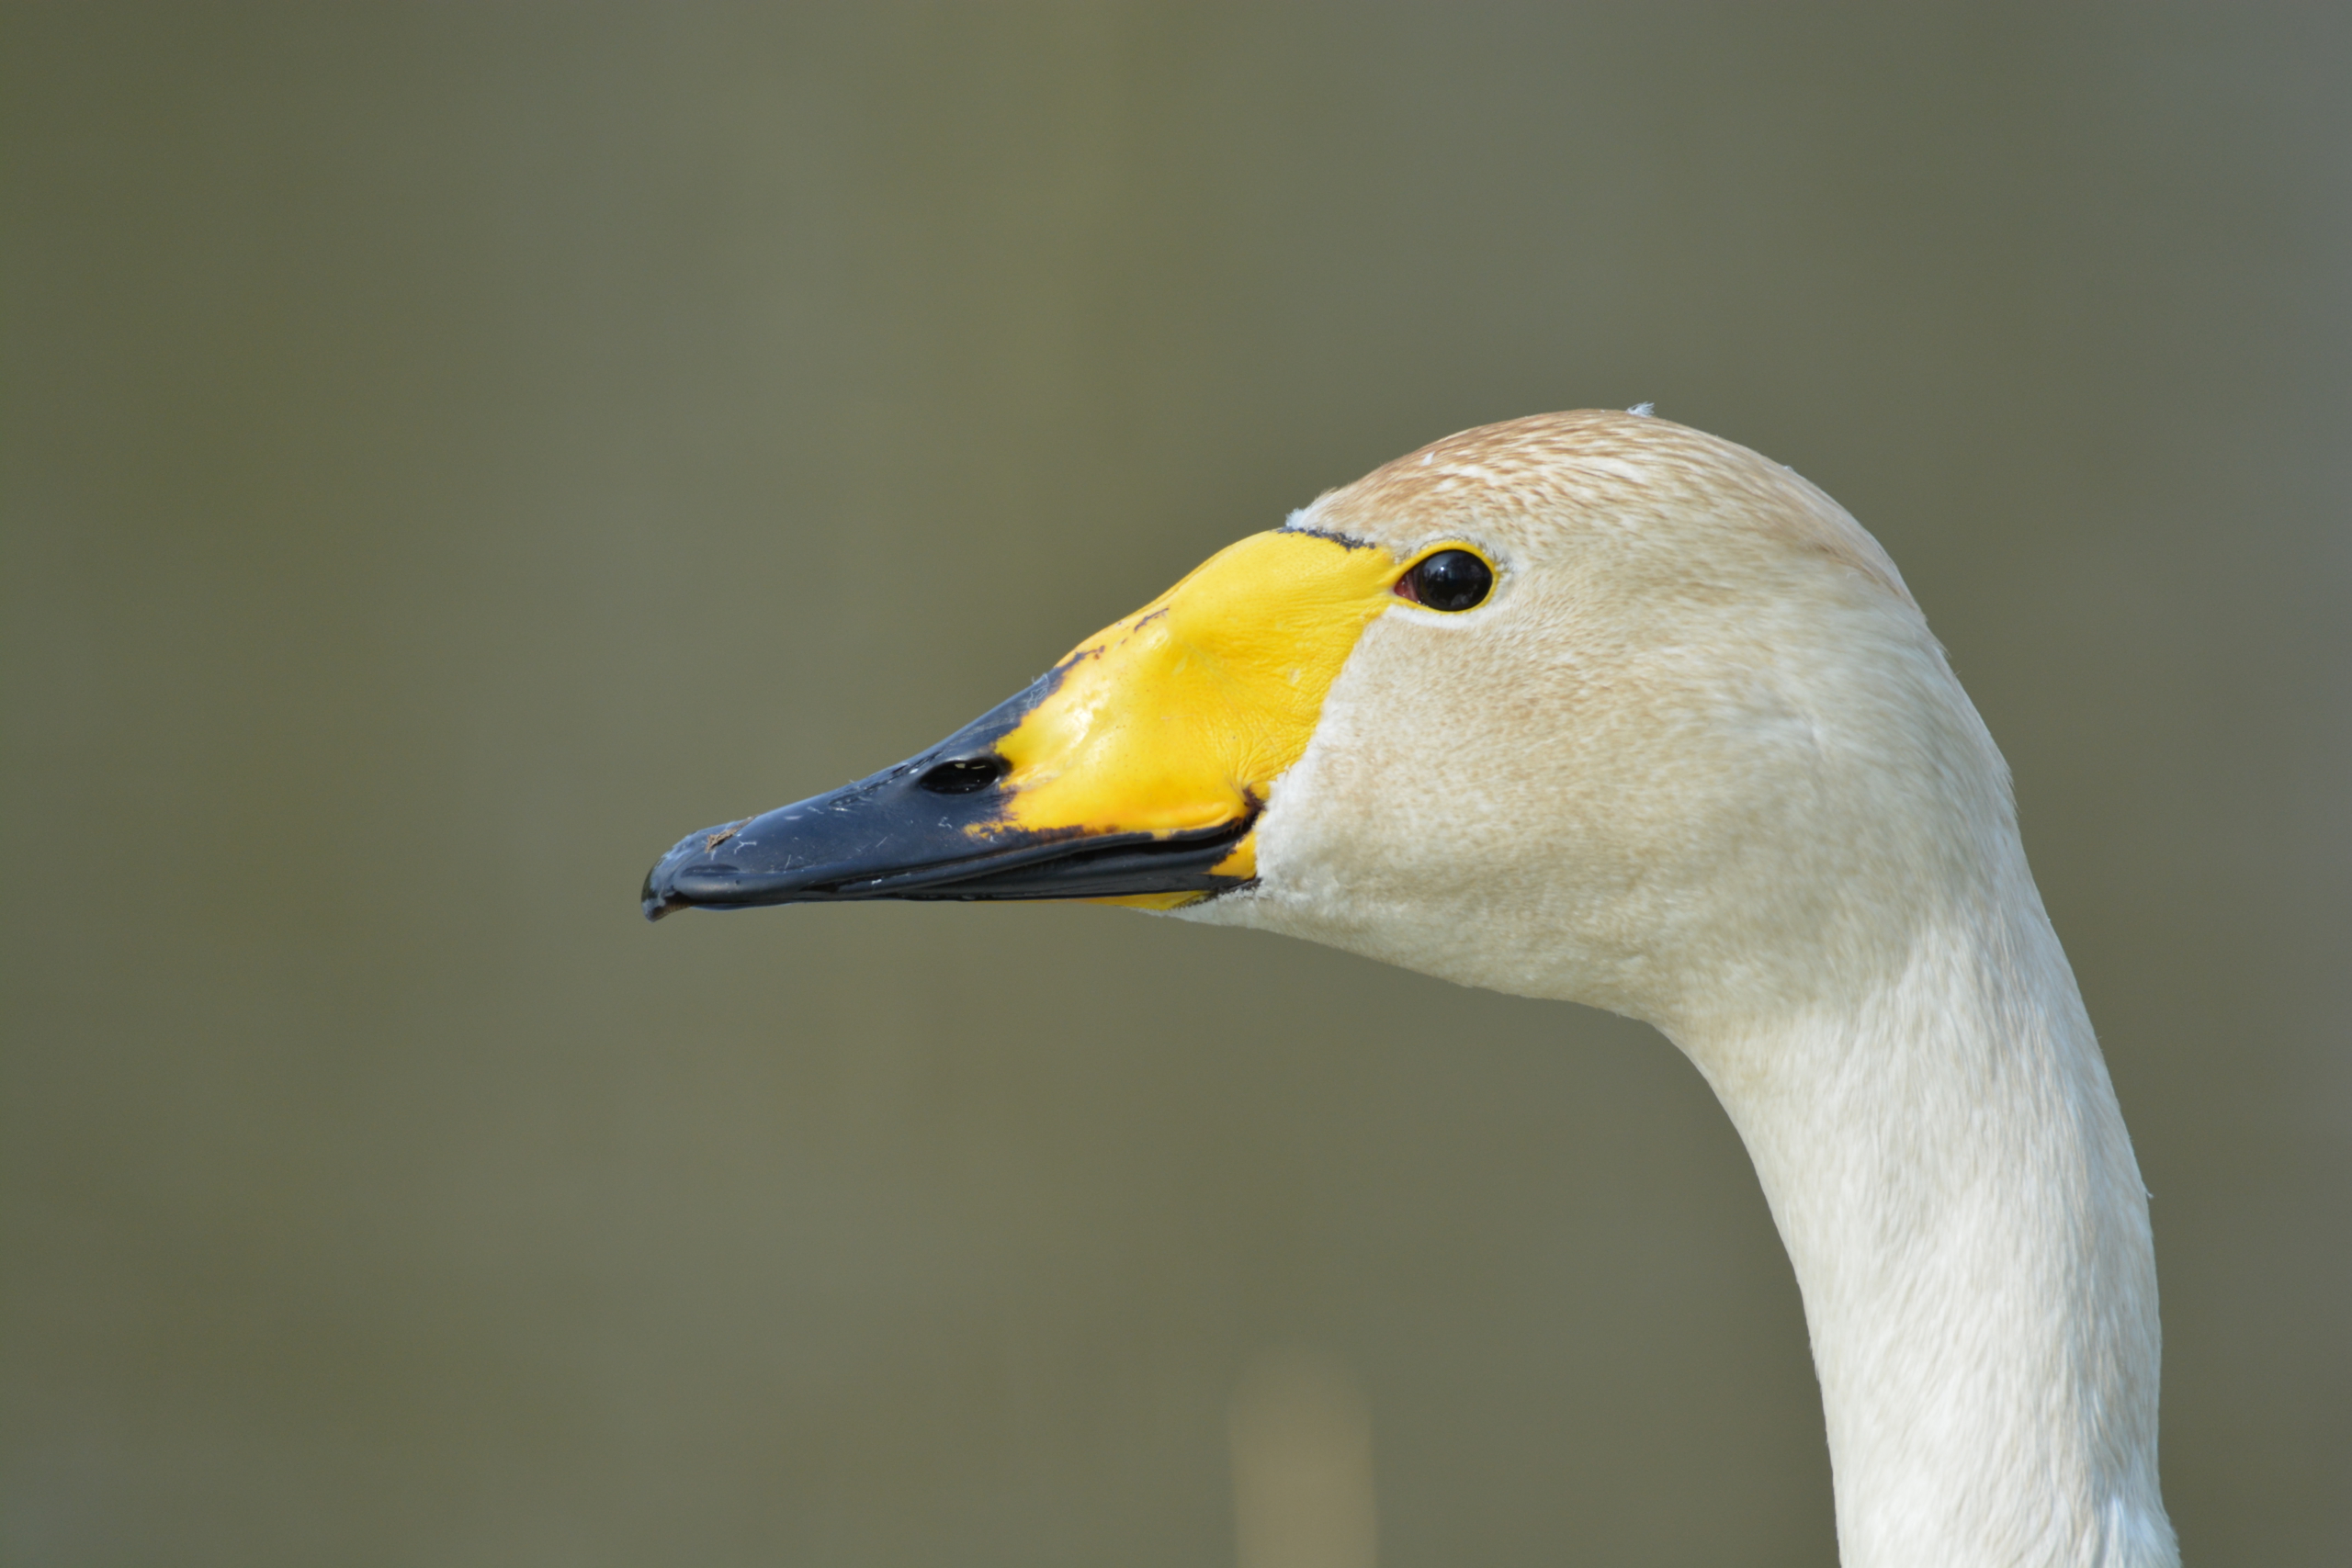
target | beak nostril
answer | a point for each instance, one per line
(964, 775)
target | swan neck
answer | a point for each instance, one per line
(1948, 1167)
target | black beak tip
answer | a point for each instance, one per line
(657, 902)
(662, 893)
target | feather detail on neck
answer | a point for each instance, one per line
(1948, 1168)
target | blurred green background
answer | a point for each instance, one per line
(450, 452)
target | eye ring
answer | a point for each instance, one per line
(1452, 579)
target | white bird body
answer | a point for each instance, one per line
(1695, 759)
(1731, 788)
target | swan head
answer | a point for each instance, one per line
(1587, 705)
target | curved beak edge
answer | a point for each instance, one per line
(795, 855)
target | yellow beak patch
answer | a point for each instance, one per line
(1183, 715)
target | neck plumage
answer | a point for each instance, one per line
(1948, 1168)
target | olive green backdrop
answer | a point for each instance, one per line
(450, 452)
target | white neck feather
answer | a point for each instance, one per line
(1948, 1168)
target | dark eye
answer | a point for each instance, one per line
(964, 775)
(1449, 580)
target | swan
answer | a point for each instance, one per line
(1598, 707)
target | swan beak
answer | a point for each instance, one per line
(1133, 769)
